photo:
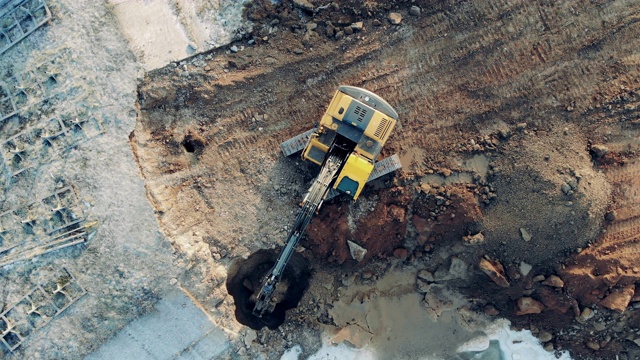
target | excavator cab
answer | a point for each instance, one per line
(364, 121)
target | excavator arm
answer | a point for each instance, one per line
(311, 203)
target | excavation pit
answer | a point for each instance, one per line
(244, 281)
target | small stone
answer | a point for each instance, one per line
(586, 314)
(491, 310)
(527, 305)
(357, 26)
(311, 26)
(548, 347)
(192, 46)
(458, 268)
(545, 336)
(249, 337)
(395, 18)
(401, 253)
(425, 188)
(234, 49)
(525, 235)
(331, 31)
(446, 172)
(339, 35)
(376, 22)
(525, 268)
(599, 150)
(357, 251)
(553, 281)
(473, 239)
(423, 287)
(521, 126)
(207, 68)
(566, 189)
(304, 5)
(298, 51)
(495, 271)
(538, 278)
(425, 276)
(611, 215)
(415, 11)
(348, 280)
(348, 30)
(173, 281)
(593, 345)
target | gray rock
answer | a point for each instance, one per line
(415, 11)
(234, 49)
(425, 276)
(566, 188)
(525, 235)
(458, 268)
(525, 268)
(357, 251)
(250, 337)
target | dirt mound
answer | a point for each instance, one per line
(245, 278)
(379, 229)
(611, 264)
(549, 197)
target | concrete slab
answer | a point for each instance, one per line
(162, 31)
(177, 329)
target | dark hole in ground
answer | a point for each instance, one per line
(192, 144)
(245, 279)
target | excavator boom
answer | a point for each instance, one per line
(312, 201)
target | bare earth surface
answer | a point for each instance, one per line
(519, 196)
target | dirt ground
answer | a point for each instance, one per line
(519, 134)
(518, 122)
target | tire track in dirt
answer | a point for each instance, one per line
(613, 260)
(531, 62)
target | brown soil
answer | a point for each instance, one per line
(512, 82)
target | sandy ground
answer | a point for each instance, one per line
(518, 197)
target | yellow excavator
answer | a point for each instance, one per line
(346, 144)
